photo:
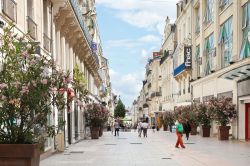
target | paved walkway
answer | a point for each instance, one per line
(156, 150)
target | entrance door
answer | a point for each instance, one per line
(247, 121)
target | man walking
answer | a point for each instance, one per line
(145, 128)
(179, 132)
(116, 126)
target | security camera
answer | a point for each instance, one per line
(2, 24)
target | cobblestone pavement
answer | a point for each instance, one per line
(156, 150)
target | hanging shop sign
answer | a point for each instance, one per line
(188, 57)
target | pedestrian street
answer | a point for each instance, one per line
(158, 149)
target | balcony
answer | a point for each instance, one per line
(78, 13)
(179, 69)
(9, 9)
(32, 28)
(158, 94)
(46, 43)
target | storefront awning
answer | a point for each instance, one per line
(237, 74)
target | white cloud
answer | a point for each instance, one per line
(132, 43)
(146, 14)
(149, 38)
(127, 86)
(141, 19)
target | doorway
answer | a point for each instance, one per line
(247, 114)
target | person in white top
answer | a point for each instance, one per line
(144, 128)
(139, 127)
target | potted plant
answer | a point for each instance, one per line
(29, 85)
(105, 115)
(204, 118)
(168, 120)
(224, 112)
(97, 116)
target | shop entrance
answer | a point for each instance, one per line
(247, 121)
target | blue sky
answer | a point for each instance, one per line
(130, 31)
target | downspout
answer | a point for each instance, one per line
(52, 57)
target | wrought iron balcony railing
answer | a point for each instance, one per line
(79, 16)
(78, 13)
(10, 9)
(32, 28)
(46, 42)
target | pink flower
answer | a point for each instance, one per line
(3, 85)
(25, 90)
(3, 97)
(25, 54)
(33, 83)
(44, 81)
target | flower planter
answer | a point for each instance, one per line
(165, 128)
(193, 130)
(19, 155)
(100, 132)
(223, 132)
(206, 131)
(95, 132)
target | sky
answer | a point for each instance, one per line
(130, 31)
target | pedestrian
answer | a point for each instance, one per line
(179, 133)
(144, 128)
(187, 129)
(117, 127)
(157, 128)
(153, 127)
(139, 128)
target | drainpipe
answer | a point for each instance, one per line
(52, 56)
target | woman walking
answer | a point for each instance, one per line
(179, 133)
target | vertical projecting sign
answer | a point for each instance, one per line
(188, 57)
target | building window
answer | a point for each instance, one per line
(209, 11)
(245, 47)
(9, 9)
(224, 4)
(32, 26)
(46, 25)
(209, 52)
(197, 21)
(226, 41)
(198, 59)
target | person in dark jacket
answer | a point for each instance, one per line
(187, 129)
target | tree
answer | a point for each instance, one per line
(120, 109)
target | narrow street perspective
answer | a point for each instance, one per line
(156, 150)
(124, 82)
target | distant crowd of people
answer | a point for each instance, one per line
(142, 128)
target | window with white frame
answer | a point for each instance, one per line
(226, 41)
(245, 47)
(197, 59)
(209, 52)
(197, 21)
(224, 3)
(209, 11)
